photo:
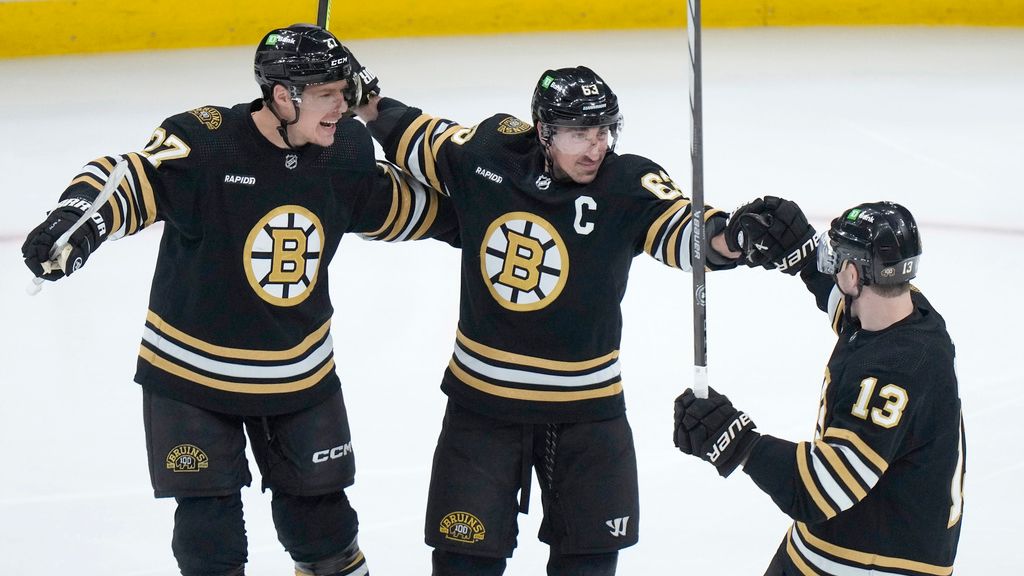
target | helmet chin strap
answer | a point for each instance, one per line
(283, 128)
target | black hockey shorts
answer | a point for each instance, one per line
(587, 474)
(196, 452)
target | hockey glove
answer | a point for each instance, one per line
(773, 233)
(713, 430)
(38, 245)
(362, 85)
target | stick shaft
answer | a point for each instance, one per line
(700, 242)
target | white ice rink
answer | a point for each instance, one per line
(932, 118)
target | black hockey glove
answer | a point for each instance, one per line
(39, 242)
(713, 430)
(362, 84)
(772, 233)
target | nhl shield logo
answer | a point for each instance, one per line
(291, 161)
(543, 182)
(282, 255)
(524, 261)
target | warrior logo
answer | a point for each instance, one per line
(210, 117)
(282, 255)
(186, 458)
(463, 527)
(524, 261)
(291, 161)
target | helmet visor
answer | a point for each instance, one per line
(320, 98)
(575, 140)
(828, 258)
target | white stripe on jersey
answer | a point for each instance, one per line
(234, 370)
(865, 473)
(412, 160)
(831, 567)
(527, 377)
(829, 483)
(419, 202)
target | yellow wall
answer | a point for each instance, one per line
(39, 27)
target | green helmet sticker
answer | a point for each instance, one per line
(546, 82)
(272, 39)
(852, 215)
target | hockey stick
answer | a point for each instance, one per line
(61, 250)
(323, 14)
(698, 258)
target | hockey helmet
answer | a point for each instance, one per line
(880, 238)
(300, 55)
(574, 97)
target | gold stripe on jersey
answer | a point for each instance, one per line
(859, 445)
(428, 219)
(795, 556)
(612, 389)
(867, 560)
(88, 179)
(444, 137)
(403, 212)
(806, 475)
(429, 161)
(239, 387)
(532, 361)
(115, 207)
(672, 247)
(837, 464)
(655, 228)
(148, 197)
(394, 200)
(240, 353)
(403, 145)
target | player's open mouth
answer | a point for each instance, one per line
(329, 124)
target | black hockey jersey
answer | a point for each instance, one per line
(544, 263)
(240, 314)
(879, 489)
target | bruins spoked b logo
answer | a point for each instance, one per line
(524, 261)
(282, 255)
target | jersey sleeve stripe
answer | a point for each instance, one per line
(429, 161)
(393, 176)
(87, 179)
(859, 445)
(864, 561)
(418, 203)
(833, 489)
(148, 198)
(408, 136)
(118, 215)
(403, 212)
(868, 476)
(839, 467)
(808, 481)
(428, 220)
(655, 228)
(445, 136)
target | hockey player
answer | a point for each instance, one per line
(879, 489)
(255, 199)
(550, 219)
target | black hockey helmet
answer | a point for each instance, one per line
(299, 55)
(880, 238)
(574, 97)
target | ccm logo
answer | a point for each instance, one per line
(727, 437)
(332, 454)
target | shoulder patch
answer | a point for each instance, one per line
(208, 116)
(513, 125)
